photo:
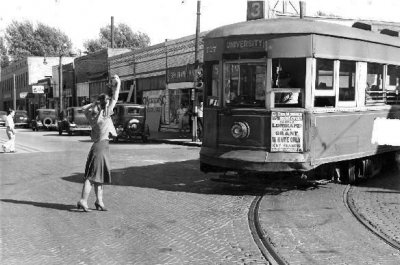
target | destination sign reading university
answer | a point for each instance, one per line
(245, 44)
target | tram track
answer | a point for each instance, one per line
(349, 203)
(266, 248)
(270, 252)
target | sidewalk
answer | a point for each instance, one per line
(173, 138)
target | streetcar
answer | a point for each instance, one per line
(298, 95)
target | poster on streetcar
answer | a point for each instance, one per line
(286, 132)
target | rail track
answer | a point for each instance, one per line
(269, 251)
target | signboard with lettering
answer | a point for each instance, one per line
(38, 89)
(255, 10)
(286, 132)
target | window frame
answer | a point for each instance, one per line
(261, 61)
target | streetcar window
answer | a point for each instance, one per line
(213, 88)
(324, 91)
(288, 81)
(347, 80)
(244, 84)
(374, 92)
(324, 80)
(393, 84)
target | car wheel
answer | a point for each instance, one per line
(33, 128)
(69, 132)
(145, 139)
(59, 131)
(115, 139)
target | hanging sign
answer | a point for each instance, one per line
(286, 132)
(38, 89)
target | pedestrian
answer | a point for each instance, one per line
(10, 131)
(181, 112)
(98, 168)
(200, 119)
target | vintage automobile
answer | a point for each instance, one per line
(74, 121)
(45, 119)
(130, 122)
(3, 117)
(21, 118)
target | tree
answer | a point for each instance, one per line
(124, 37)
(4, 59)
(25, 40)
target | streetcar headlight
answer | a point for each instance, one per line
(240, 130)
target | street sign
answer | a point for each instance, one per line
(23, 94)
(38, 89)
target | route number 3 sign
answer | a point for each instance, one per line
(255, 10)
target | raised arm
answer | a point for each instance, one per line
(88, 106)
(116, 86)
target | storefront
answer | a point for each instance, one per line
(180, 91)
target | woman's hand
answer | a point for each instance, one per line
(115, 81)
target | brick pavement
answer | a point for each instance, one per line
(313, 226)
(162, 211)
(377, 201)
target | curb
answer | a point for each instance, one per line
(176, 142)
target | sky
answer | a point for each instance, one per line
(167, 19)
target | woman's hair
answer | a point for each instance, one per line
(102, 98)
(10, 110)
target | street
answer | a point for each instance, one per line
(162, 209)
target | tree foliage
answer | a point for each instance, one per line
(4, 59)
(25, 40)
(124, 37)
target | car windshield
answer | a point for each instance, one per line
(135, 111)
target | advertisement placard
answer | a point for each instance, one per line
(286, 132)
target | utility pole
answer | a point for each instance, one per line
(112, 32)
(14, 94)
(60, 80)
(195, 137)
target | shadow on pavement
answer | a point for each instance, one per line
(388, 180)
(186, 177)
(56, 206)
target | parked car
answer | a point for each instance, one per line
(45, 119)
(3, 117)
(130, 122)
(21, 118)
(75, 121)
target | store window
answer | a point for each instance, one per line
(324, 91)
(244, 84)
(178, 98)
(374, 92)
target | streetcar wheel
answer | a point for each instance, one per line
(351, 173)
(397, 159)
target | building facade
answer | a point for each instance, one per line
(18, 78)
(161, 77)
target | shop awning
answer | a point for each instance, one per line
(181, 85)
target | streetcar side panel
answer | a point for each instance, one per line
(344, 136)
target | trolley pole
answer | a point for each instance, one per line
(195, 137)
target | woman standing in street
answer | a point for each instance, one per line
(10, 131)
(98, 169)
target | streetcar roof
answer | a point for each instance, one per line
(300, 26)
